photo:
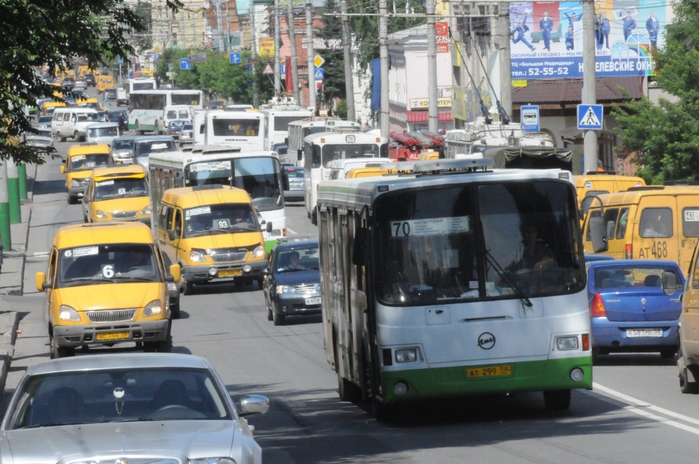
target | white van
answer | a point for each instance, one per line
(72, 122)
(176, 112)
(103, 132)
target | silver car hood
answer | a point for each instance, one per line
(178, 440)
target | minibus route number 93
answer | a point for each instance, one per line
(451, 281)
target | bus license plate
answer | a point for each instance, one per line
(230, 272)
(643, 333)
(112, 336)
(489, 371)
(313, 301)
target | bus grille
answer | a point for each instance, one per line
(111, 315)
(224, 256)
(123, 214)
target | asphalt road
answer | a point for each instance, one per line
(636, 413)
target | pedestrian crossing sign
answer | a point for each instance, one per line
(590, 117)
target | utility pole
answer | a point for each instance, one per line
(433, 121)
(503, 25)
(312, 90)
(589, 90)
(384, 121)
(277, 49)
(4, 208)
(347, 54)
(228, 28)
(219, 23)
(253, 51)
(294, 62)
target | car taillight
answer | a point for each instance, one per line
(597, 306)
(628, 251)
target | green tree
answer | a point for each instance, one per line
(50, 34)
(665, 136)
(334, 66)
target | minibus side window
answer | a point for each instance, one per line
(690, 222)
(610, 217)
(623, 220)
(656, 223)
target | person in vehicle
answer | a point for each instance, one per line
(536, 255)
(294, 262)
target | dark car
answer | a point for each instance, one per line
(68, 83)
(295, 176)
(174, 128)
(291, 283)
(634, 305)
(90, 78)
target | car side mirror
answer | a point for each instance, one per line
(40, 281)
(669, 282)
(598, 234)
(253, 404)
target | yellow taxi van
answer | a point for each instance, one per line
(79, 163)
(591, 184)
(652, 222)
(107, 284)
(104, 82)
(381, 169)
(117, 193)
(213, 233)
(688, 349)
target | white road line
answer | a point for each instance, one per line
(41, 253)
(291, 231)
(642, 408)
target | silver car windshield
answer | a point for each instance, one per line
(119, 395)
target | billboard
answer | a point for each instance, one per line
(546, 38)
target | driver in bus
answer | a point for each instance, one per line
(536, 255)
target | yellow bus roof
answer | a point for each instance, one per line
(128, 171)
(189, 197)
(76, 235)
(89, 149)
(580, 179)
(634, 195)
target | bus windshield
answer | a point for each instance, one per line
(344, 151)
(433, 246)
(259, 176)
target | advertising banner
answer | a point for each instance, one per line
(546, 38)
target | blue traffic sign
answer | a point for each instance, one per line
(282, 68)
(529, 118)
(184, 63)
(319, 73)
(590, 117)
(235, 58)
(120, 60)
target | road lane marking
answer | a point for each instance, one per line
(291, 231)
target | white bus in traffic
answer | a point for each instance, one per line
(299, 130)
(241, 129)
(278, 120)
(147, 107)
(258, 173)
(427, 292)
(320, 150)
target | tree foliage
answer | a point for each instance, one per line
(665, 136)
(217, 77)
(334, 66)
(38, 33)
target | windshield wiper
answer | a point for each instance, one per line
(505, 278)
(50, 424)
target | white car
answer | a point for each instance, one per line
(128, 408)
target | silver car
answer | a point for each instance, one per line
(128, 408)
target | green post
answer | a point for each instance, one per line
(4, 209)
(22, 169)
(13, 192)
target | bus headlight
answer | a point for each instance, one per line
(154, 308)
(258, 252)
(406, 355)
(66, 313)
(567, 343)
(197, 256)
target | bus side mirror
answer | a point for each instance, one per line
(586, 203)
(599, 234)
(299, 154)
(669, 282)
(63, 169)
(269, 227)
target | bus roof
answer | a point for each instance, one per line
(189, 197)
(183, 158)
(165, 91)
(343, 137)
(76, 235)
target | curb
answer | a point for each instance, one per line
(10, 322)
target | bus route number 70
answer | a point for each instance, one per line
(400, 228)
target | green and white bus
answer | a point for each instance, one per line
(429, 289)
(259, 173)
(147, 107)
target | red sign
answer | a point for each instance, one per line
(442, 28)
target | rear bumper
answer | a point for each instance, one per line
(613, 335)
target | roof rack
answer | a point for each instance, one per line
(452, 165)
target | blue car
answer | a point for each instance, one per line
(630, 309)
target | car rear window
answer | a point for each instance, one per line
(630, 277)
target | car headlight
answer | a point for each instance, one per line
(75, 183)
(197, 256)
(154, 308)
(66, 313)
(259, 252)
(146, 210)
(212, 461)
(99, 214)
(285, 289)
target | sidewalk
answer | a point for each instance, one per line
(12, 279)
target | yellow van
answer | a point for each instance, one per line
(118, 193)
(107, 284)
(688, 349)
(381, 169)
(598, 183)
(213, 233)
(80, 162)
(48, 108)
(90, 103)
(104, 82)
(653, 222)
